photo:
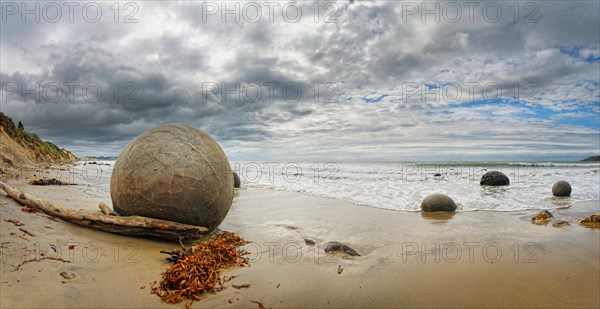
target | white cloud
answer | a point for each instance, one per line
(369, 52)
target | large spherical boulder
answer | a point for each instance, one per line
(438, 202)
(173, 172)
(494, 178)
(561, 188)
(237, 182)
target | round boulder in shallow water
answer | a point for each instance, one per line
(237, 182)
(494, 178)
(438, 202)
(173, 172)
(561, 188)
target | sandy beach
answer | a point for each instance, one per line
(408, 259)
(312, 154)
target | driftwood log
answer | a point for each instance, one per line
(123, 225)
(106, 210)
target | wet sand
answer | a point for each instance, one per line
(472, 259)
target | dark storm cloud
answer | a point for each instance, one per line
(168, 58)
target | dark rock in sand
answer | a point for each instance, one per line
(494, 178)
(437, 175)
(559, 223)
(333, 246)
(68, 275)
(438, 202)
(236, 180)
(309, 242)
(173, 172)
(349, 251)
(336, 245)
(561, 188)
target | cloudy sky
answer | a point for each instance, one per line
(345, 80)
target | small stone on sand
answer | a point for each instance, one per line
(333, 246)
(68, 275)
(349, 251)
(559, 223)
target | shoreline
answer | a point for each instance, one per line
(559, 202)
(409, 259)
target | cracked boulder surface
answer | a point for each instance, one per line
(173, 172)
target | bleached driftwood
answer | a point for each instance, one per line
(123, 225)
(106, 210)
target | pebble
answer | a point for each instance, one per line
(559, 223)
(333, 246)
(67, 275)
(336, 245)
(349, 251)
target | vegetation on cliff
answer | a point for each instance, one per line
(22, 147)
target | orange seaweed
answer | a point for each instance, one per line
(198, 270)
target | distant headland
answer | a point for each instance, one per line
(100, 158)
(592, 158)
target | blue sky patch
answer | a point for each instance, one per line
(575, 52)
(376, 99)
(583, 115)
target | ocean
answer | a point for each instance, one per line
(402, 186)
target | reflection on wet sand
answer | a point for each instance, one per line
(438, 216)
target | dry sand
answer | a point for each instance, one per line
(408, 259)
